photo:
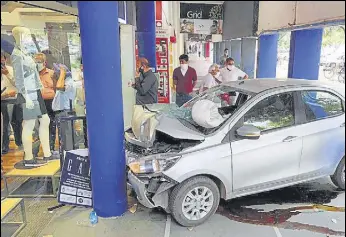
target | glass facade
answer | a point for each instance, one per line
(43, 111)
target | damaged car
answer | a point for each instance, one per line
(234, 140)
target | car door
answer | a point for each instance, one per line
(273, 159)
(324, 132)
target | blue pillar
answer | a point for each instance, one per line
(236, 51)
(305, 54)
(248, 56)
(146, 31)
(99, 30)
(267, 56)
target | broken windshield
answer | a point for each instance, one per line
(227, 99)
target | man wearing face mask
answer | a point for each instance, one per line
(146, 83)
(224, 58)
(185, 79)
(48, 93)
(231, 72)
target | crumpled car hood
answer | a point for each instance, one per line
(171, 125)
(174, 128)
(163, 118)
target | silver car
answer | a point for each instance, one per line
(276, 133)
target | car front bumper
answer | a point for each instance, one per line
(140, 189)
(151, 195)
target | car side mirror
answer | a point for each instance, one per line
(248, 132)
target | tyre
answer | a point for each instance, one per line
(193, 201)
(339, 177)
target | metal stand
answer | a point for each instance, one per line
(62, 146)
(12, 228)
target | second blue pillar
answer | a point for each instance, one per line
(267, 56)
(305, 54)
(146, 31)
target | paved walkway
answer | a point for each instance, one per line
(291, 212)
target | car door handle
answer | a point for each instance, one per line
(342, 125)
(289, 138)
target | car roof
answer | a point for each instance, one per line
(259, 85)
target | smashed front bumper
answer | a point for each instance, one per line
(151, 191)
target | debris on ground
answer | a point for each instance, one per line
(133, 209)
(334, 221)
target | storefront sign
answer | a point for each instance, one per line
(162, 33)
(162, 68)
(75, 182)
(201, 18)
(199, 37)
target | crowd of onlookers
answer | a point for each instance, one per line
(60, 91)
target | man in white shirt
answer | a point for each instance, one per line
(211, 79)
(231, 72)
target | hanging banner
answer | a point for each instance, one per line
(201, 18)
(162, 68)
(162, 56)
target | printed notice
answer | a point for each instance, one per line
(75, 182)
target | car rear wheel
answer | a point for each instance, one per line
(339, 177)
(192, 202)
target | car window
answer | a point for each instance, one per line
(274, 112)
(321, 104)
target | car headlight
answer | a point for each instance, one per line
(153, 164)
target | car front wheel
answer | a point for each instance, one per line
(339, 177)
(193, 201)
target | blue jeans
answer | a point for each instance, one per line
(182, 98)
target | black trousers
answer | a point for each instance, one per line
(52, 125)
(16, 123)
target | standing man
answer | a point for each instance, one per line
(185, 79)
(231, 73)
(224, 58)
(11, 109)
(146, 83)
(48, 93)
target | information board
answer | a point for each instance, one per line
(75, 182)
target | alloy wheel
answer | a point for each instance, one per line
(197, 203)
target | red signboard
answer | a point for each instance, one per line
(162, 68)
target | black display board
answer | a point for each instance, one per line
(75, 181)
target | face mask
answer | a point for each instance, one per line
(230, 67)
(40, 66)
(217, 75)
(184, 66)
(141, 70)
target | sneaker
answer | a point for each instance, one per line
(34, 163)
(55, 153)
(51, 158)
